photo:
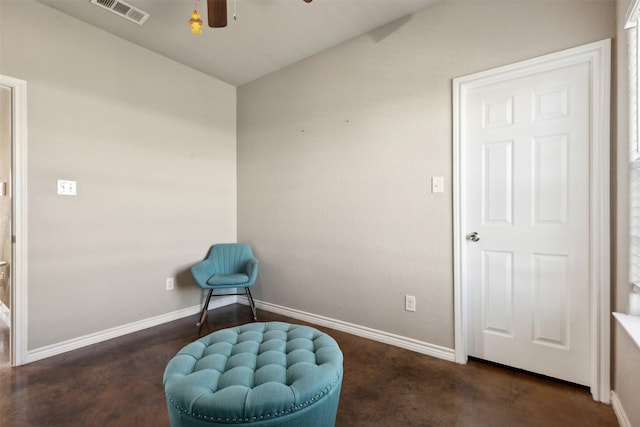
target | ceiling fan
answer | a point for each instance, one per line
(217, 12)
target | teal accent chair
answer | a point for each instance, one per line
(227, 265)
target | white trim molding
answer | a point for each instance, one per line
(633, 13)
(621, 415)
(19, 288)
(598, 56)
(118, 331)
(361, 331)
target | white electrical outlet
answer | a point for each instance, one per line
(67, 188)
(170, 283)
(410, 303)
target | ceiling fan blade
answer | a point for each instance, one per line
(217, 13)
(308, 1)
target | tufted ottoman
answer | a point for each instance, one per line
(262, 374)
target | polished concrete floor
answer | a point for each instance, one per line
(119, 383)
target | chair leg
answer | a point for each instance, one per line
(203, 314)
(251, 303)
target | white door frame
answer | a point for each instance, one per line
(18, 189)
(598, 56)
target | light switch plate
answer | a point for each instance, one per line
(437, 184)
(66, 188)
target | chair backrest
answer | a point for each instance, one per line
(230, 258)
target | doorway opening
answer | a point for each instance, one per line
(6, 213)
(512, 287)
(13, 227)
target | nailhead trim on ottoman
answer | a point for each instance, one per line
(264, 374)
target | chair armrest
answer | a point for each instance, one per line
(251, 268)
(202, 271)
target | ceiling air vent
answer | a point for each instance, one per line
(123, 9)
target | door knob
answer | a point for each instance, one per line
(473, 236)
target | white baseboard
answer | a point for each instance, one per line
(361, 331)
(5, 313)
(619, 410)
(118, 331)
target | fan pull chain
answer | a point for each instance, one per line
(235, 10)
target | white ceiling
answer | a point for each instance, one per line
(268, 34)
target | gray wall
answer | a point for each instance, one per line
(626, 355)
(336, 152)
(335, 155)
(152, 146)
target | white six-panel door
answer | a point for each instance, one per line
(527, 217)
(528, 200)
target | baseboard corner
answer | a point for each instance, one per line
(618, 409)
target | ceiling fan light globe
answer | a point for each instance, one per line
(196, 23)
